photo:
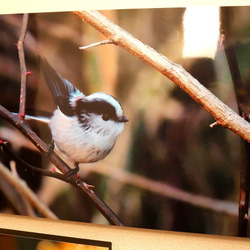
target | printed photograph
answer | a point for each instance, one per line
(134, 118)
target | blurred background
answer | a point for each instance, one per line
(168, 138)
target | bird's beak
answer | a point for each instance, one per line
(123, 119)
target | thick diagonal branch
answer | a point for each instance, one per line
(224, 116)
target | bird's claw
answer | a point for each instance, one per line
(73, 171)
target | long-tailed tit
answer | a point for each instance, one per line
(84, 128)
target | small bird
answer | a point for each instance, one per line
(83, 128)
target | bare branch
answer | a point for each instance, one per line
(224, 116)
(22, 65)
(166, 190)
(242, 98)
(25, 191)
(18, 202)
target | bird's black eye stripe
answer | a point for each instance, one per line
(98, 107)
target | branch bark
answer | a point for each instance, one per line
(224, 116)
(22, 65)
(25, 191)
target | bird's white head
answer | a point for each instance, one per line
(101, 113)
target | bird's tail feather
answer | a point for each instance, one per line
(38, 118)
(41, 116)
(60, 88)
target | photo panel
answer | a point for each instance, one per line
(140, 98)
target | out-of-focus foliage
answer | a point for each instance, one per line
(168, 137)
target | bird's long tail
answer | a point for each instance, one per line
(41, 116)
(38, 118)
(60, 88)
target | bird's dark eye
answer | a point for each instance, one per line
(106, 117)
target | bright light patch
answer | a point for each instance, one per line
(201, 31)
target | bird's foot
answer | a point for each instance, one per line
(73, 171)
(51, 149)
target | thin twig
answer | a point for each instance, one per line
(19, 203)
(22, 65)
(213, 124)
(23, 127)
(25, 201)
(105, 42)
(225, 116)
(24, 190)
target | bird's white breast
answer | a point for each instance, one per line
(83, 146)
